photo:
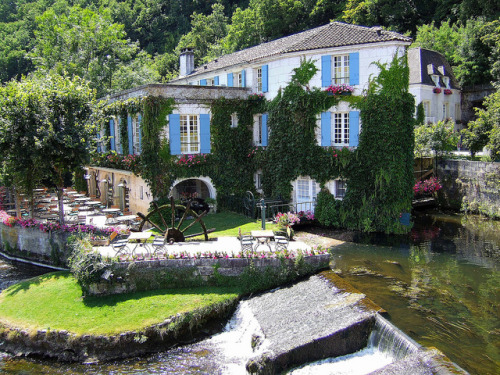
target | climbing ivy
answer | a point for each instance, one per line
(293, 150)
(155, 155)
(380, 179)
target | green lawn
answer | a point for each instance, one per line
(54, 301)
(227, 224)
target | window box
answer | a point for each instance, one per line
(447, 92)
(436, 90)
(341, 89)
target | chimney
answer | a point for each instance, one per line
(186, 61)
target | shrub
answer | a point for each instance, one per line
(328, 209)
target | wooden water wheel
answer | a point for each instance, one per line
(175, 232)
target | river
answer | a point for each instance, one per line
(440, 285)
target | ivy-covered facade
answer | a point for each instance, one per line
(284, 126)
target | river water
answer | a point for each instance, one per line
(440, 285)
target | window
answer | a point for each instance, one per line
(306, 192)
(427, 108)
(141, 192)
(340, 188)
(258, 180)
(238, 78)
(458, 112)
(340, 128)
(446, 111)
(259, 79)
(136, 125)
(446, 81)
(210, 82)
(190, 137)
(234, 120)
(258, 131)
(340, 66)
(435, 79)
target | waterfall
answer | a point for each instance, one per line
(241, 340)
(389, 339)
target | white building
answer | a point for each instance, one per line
(343, 53)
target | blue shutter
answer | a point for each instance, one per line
(326, 128)
(130, 135)
(139, 126)
(265, 78)
(264, 129)
(354, 68)
(205, 133)
(99, 142)
(353, 128)
(216, 80)
(174, 121)
(203, 82)
(112, 134)
(326, 71)
(229, 79)
(243, 78)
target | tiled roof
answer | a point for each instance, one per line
(423, 62)
(335, 34)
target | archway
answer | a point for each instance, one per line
(189, 188)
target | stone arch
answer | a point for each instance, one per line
(203, 186)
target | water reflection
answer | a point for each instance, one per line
(440, 285)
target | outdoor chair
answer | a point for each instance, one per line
(158, 245)
(118, 243)
(246, 241)
(281, 242)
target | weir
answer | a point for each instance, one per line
(313, 327)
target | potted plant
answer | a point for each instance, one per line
(341, 89)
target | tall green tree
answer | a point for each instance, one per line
(46, 129)
(82, 43)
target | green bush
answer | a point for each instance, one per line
(328, 209)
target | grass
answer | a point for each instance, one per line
(227, 224)
(54, 301)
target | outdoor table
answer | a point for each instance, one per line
(93, 203)
(83, 199)
(263, 237)
(138, 238)
(78, 195)
(112, 211)
(127, 219)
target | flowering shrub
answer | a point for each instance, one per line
(255, 96)
(11, 221)
(188, 196)
(112, 160)
(285, 254)
(447, 92)
(427, 187)
(306, 216)
(192, 160)
(436, 90)
(340, 89)
(286, 219)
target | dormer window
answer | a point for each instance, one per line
(435, 79)
(446, 81)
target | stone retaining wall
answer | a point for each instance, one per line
(470, 185)
(155, 274)
(49, 247)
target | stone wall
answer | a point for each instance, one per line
(156, 274)
(49, 247)
(470, 185)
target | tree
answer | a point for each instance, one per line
(439, 138)
(485, 131)
(82, 43)
(46, 129)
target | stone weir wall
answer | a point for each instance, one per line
(470, 186)
(126, 277)
(32, 243)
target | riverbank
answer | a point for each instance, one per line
(47, 316)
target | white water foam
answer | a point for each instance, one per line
(234, 344)
(360, 363)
